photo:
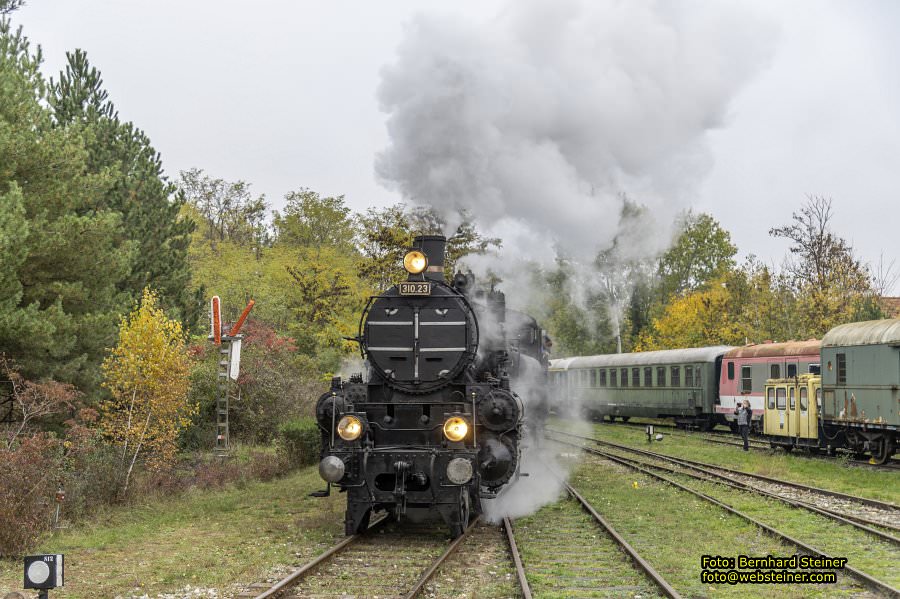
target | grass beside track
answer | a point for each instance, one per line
(672, 530)
(208, 539)
(873, 556)
(833, 474)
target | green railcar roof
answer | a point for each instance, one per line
(870, 332)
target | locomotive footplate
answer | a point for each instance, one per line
(409, 483)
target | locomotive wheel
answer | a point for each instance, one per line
(625, 418)
(465, 507)
(364, 523)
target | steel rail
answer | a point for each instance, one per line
(761, 445)
(625, 545)
(860, 521)
(837, 494)
(517, 559)
(871, 581)
(426, 576)
(302, 570)
(725, 481)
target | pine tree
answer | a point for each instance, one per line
(148, 202)
(61, 252)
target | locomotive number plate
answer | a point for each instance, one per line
(415, 288)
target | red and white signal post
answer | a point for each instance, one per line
(229, 366)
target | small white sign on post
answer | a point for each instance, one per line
(235, 366)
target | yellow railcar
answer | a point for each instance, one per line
(792, 411)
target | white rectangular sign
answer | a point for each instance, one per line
(235, 366)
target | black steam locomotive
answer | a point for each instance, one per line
(434, 427)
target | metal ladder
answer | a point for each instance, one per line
(222, 447)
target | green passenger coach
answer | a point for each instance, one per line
(861, 386)
(680, 384)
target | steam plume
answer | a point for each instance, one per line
(538, 122)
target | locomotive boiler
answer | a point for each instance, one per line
(433, 426)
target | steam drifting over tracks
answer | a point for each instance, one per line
(387, 561)
(869, 581)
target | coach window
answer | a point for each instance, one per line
(624, 374)
(593, 377)
(688, 376)
(612, 377)
(676, 376)
(780, 396)
(731, 371)
(804, 399)
(792, 395)
(842, 369)
(814, 369)
(635, 377)
(648, 376)
(819, 398)
(661, 376)
(746, 380)
(775, 371)
(697, 379)
(771, 398)
(602, 377)
(791, 370)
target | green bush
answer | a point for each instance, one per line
(300, 439)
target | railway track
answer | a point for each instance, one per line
(563, 554)
(889, 508)
(653, 471)
(384, 562)
(723, 438)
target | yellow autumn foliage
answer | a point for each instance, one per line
(147, 375)
(696, 319)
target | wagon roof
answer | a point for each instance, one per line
(870, 332)
(774, 350)
(666, 356)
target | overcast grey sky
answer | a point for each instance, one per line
(283, 95)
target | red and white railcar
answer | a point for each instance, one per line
(745, 370)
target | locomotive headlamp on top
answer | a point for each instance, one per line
(415, 262)
(43, 572)
(456, 428)
(349, 428)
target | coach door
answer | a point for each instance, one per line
(772, 420)
(808, 407)
(792, 414)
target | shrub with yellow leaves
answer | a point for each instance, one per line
(147, 375)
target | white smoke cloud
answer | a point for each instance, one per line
(538, 120)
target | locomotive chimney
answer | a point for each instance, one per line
(433, 247)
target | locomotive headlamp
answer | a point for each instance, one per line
(349, 428)
(415, 262)
(456, 428)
